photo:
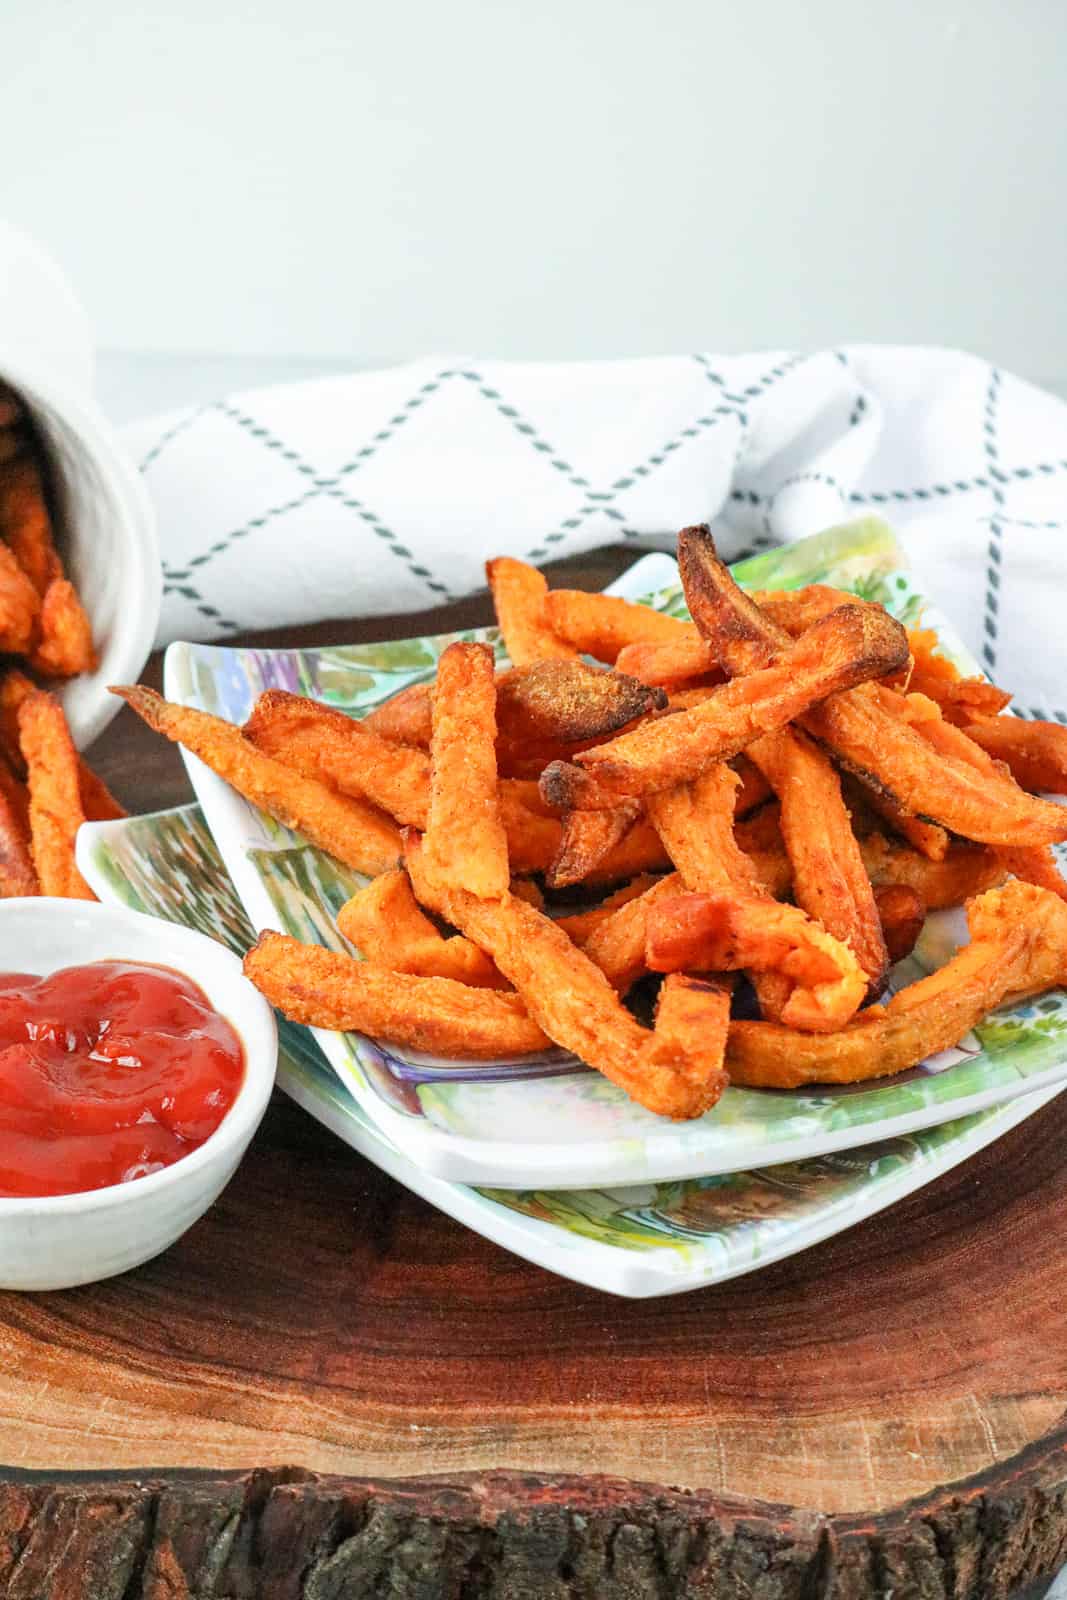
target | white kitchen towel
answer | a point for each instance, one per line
(385, 492)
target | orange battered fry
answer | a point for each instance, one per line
(465, 841)
(356, 833)
(519, 600)
(544, 710)
(65, 646)
(55, 802)
(1036, 752)
(902, 913)
(933, 674)
(388, 927)
(25, 523)
(567, 702)
(406, 718)
(588, 837)
(571, 999)
(830, 881)
(98, 803)
(17, 874)
(20, 606)
(581, 925)
(326, 990)
(877, 746)
(692, 1022)
(728, 933)
(1018, 947)
(602, 625)
(852, 644)
(324, 744)
(669, 662)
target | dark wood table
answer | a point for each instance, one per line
(328, 1389)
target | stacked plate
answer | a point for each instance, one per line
(543, 1156)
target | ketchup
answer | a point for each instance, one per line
(108, 1072)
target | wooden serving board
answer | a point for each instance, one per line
(328, 1389)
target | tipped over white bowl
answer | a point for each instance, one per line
(58, 1241)
(107, 535)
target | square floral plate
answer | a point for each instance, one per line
(544, 1121)
(645, 1239)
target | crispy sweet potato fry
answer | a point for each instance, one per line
(902, 915)
(570, 998)
(830, 881)
(1033, 863)
(692, 1021)
(465, 842)
(929, 838)
(966, 870)
(65, 646)
(518, 592)
(669, 662)
(601, 625)
(324, 744)
(17, 874)
(388, 927)
(639, 851)
(20, 606)
(881, 749)
(730, 932)
(934, 675)
(696, 825)
(98, 803)
(542, 709)
(15, 687)
(406, 718)
(356, 833)
(852, 644)
(567, 702)
(326, 990)
(580, 925)
(617, 944)
(55, 803)
(1018, 947)
(796, 610)
(1035, 751)
(587, 838)
(26, 524)
(754, 787)
(526, 889)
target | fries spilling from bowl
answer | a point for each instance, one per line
(685, 851)
(46, 790)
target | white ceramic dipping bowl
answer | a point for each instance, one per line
(59, 1241)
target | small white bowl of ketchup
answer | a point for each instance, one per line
(135, 1064)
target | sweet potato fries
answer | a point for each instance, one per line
(776, 791)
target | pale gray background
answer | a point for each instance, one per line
(342, 183)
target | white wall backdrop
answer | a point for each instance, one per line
(359, 182)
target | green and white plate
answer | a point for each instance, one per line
(544, 1122)
(643, 1239)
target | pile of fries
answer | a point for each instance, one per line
(46, 790)
(757, 809)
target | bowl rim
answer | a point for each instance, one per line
(256, 1029)
(132, 502)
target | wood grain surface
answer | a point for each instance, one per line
(323, 1321)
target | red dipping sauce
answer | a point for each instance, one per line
(108, 1072)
